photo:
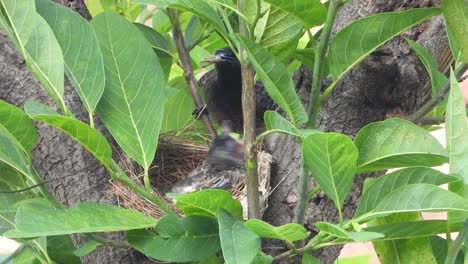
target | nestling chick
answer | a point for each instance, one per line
(223, 91)
(223, 169)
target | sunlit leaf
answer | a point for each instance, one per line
(20, 126)
(290, 232)
(456, 17)
(310, 12)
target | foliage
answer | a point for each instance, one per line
(127, 72)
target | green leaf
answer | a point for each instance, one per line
(456, 17)
(386, 184)
(307, 258)
(262, 259)
(439, 249)
(276, 79)
(332, 159)
(419, 198)
(456, 133)
(438, 80)
(87, 136)
(209, 203)
(178, 239)
(340, 232)
(133, 102)
(198, 7)
(12, 154)
(11, 178)
(82, 218)
(19, 19)
(310, 12)
(178, 108)
(289, 232)
(239, 244)
(60, 249)
(353, 43)
(19, 125)
(412, 229)
(83, 59)
(87, 248)
(457, 55)
(396, 143)
(275, 121)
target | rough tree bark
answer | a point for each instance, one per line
(391, 82)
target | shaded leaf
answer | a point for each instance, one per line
(386, 184)
(83, 59)
(353, 43)
(332, 159)
(307, 258)
(276, 79)
(60, 249)
(20, 126)
(396, 143)
(87, 136)
(289, 232)
(239, 244)
(439, 249)
(82, 218)
(310, 12)
(133, 100)
(87, 248)
(178, 239)
(209, 203)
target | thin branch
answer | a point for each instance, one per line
(248, 109)
(320, 50)
(188, 70)
(439, 97)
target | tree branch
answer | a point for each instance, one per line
(248, 109)
(188, 69)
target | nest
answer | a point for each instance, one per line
(175, 159)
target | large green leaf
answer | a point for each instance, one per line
(239, 244)
(419, 198)
(87, 136)
(60, 249)
(396, 143)
(11, 178)
(19, 19)
(456, 133)
(209, 203)
(392, 181)
(198, 7)
(340, 232)
(133, 101)
(83, 59)
(178, 239)
(412, 229)
(456, 16)
(353, 43)
(276, 80)
(83, 218)
(310, 12)
(332, 159)
(20, 126)
(290, 232)
(178, 107)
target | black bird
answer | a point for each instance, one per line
(223, 91)
(223, 169)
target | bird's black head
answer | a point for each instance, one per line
(226, 63)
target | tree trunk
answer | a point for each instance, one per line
(389, 83)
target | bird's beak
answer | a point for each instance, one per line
(211, 60)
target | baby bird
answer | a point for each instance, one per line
(223, 169)
(223, 91)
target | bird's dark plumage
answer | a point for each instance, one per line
(223, 169)
(223, 91)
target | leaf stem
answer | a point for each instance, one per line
(248, 109)
(320, 51)
(303, 187)
(431, 104)
(457, 244)
(146, 181)
(188, 69)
